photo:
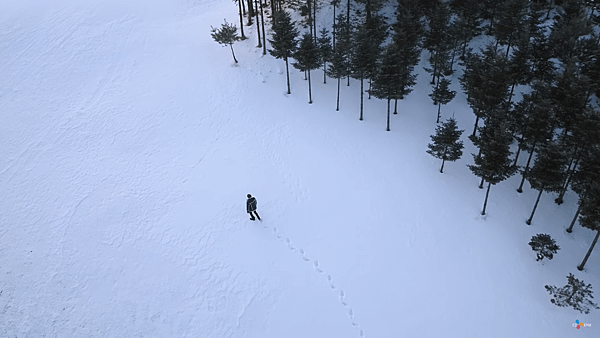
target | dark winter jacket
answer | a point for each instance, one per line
(251, 204)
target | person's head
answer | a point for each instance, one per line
(249, 195)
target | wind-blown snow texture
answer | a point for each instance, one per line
(129, 141)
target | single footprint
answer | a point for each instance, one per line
(350, 313)
(287, 240)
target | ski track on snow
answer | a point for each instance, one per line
(315, 264)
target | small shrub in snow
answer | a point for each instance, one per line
(544, 245)
(575, 294)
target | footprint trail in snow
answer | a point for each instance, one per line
(341, 294)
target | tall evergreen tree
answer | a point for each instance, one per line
(366, 50)
(284, 40)
(407, 38)
(226, 35)
(392, 82)
(590, 218)
(575, 294)
(340, 62)
(586, 178)
(486, 80)
(437, 42)
(535, 122)
(548, 172)
(325, 50)
(570, 24)
(307, 58)
(442, 95)
(468, 21)
(582, 136)
(446, 142)
(493, 163)
(510, 21)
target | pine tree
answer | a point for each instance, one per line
(590, 218)
(391, 81)
(437, 40)
(570, 25)
(486, 80)
(544, 245)
(548, 172)
(365, 52)
(468, 21)
(446, 142)
(581, 137)
(535, 122)
(284, 40)
(442, 95)
(340, 63)
(575, 294)
(586, 178)
(493, 163)
(407, 38)
(307, 58)
(510, 21)
(325, 50)
(226, 35)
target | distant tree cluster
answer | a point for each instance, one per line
(534, 86)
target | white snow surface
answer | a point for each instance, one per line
(129, 140)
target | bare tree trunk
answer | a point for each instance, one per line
(486, 198)
(315, 18)
(481, 183)
(442, 168)
(476, 123)
(240, 2)
(580, 266)
(534, 207)
(570, 171)
(250, 12)
(570, 229)
(517, 155)
(395, 106)
(438, 115)
(361, 98)
(334, 28)
(262, 21)
(388, 115)
(309, 91)
(338, 95)
(257, 24)
(287, 72)
(520, 189)
(234, 59)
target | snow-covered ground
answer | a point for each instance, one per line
(129, 141)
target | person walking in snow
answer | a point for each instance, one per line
(251, 207)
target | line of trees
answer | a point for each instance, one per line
(533, 88)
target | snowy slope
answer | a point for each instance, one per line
(130, 140)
